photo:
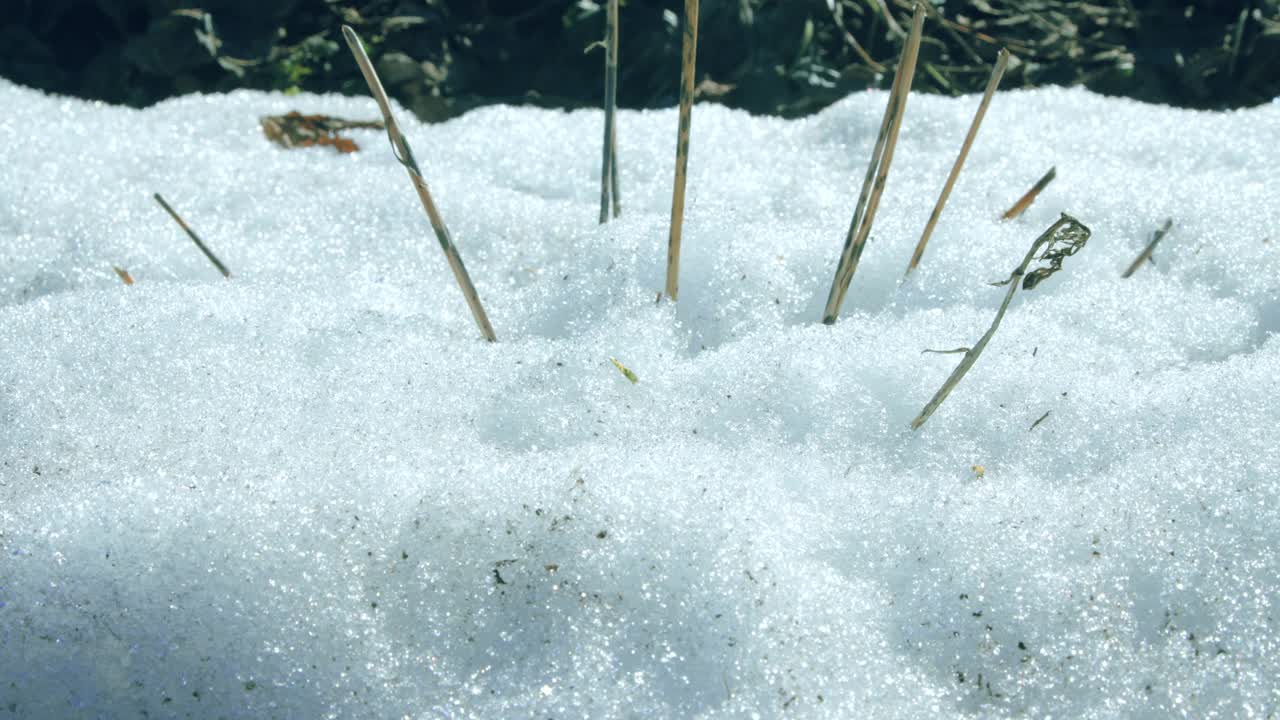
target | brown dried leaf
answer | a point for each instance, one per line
(296, 130)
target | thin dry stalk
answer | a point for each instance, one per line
(1236, 37)
(1072, 238)
(609, 169)
(853, 42)
(1146, 253)
(688, 57)
(888, 18)
(194, 238)
(973, 55)
(882, 158)
(125, 277)
(615, 194)
(861, 51)
(846, 253)
(1025, 201)
(1002, 61)
(400, 147)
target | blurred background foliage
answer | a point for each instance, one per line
(786, 57)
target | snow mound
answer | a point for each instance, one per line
(314, 491)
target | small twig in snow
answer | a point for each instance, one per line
(1147, 252)
(194, 238)
(1025, 201)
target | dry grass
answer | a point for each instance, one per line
(405, 155)
(688, 56)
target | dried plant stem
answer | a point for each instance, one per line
(125, 277)
(973, 55)
(1146, 253)
(877, 171)
(1236, 37)
(1015, 281)
(400, 147)
(853, 43)
(688, 57)
(194, 238)
(861, 51)
(1002, 61)
(614, 193)
(609, 170)
(888, 18)
(1025, 201)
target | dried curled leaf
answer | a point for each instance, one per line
(1062, 239)
(1063, 244)
(1066, 239)
(297, 130)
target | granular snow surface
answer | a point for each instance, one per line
(313, 491)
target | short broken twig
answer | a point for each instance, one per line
(1037, 422)
(400, 147)
(1025, 201)
(997, 72)
(194, 238)
(1063, 239)
(1150, 249)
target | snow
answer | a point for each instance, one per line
(314, 491)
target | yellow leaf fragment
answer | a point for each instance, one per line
(623, 369)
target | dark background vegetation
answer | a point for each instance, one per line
(788, 57)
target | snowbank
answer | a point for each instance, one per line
(314, 491)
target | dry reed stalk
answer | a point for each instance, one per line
(1072, 239)
(881, 159)
(1025, 201)
(1146, 253)
(1002, 61)
(194, 238)
(400, 147)
(609, 170)
(688, 58)
(846, 253)
(888, 18)
(946, 26)
(615, 194)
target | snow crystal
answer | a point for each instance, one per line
(314, 491)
